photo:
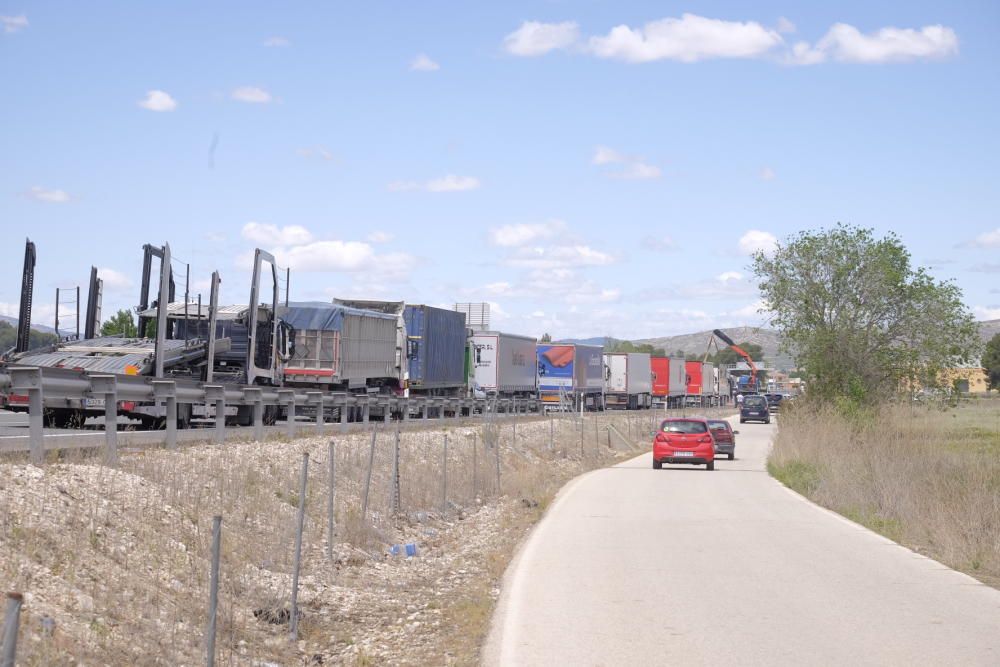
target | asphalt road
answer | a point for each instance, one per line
(635, 566)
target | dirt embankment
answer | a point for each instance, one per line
(114, 563)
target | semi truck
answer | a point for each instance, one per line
(435, 350)
(502, 365)
(628, 381)
(571, 376)
(702, 388)
(669, 381)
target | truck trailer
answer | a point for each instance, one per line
(628, 381)
(502, 365)
(669, 381)
(571, 376)
(435, 350)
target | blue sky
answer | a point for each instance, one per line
(588, 168)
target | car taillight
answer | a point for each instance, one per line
(660, 438)
(705, 438)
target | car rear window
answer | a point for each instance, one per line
(684, 426)
(754, 402)
(716, 426)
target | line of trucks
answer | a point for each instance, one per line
(356, 347)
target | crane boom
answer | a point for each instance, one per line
(740, 351)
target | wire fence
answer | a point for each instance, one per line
(116, 563)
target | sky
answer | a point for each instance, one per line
(588, 168)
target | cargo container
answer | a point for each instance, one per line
(339, 347)
(435, 350)
(571, 375)
(669, 380)
(503, 364)
(693, 370)
(628, 381)
(709, 382)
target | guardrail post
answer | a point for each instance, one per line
(286, 397)
(107, 386)
(406, 409)
(11, 623)
(216, 394)
(29, 381)
(427, 409)
(345, 401)
(166, 391)
(316, 398)
(366, 410)
(255, 396)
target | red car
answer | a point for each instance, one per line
(684, 440)
(725, 437)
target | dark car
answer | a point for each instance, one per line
(755, 409)
(725, 437)
(774, 402)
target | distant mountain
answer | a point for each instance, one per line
(697, 343)
(597, 340)
(989, 328)
(37, 327)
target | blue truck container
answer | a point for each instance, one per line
(435, 349)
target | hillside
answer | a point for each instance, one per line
(37, 327)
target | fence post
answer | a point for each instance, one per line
(107, 387)
(29, 381)
(444, 477)
(496, 443)
(166, 390)
(475, 466)
(298, 547)
(11, 622)
(216, 394)
(213, 591)
(255, 396)
(552, 434)
(368, 479)
(330, 496)
(395, 474)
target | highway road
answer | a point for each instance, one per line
(635, 566)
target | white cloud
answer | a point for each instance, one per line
(14, 23)
(767, 174)
(453, 183)
(803, 53)
(114, 280)
(688, 39)
(605, 155)
(986, 268)
(276, 42)
(318, 151)
(272, 235)
(729, 276)
(633, 167)
(158, 100)
(755, 240)
(986, 313)
(327, 256)
(987, 239)
(251, 95)
(38, 193)
(449, 183)
(41, 313)
(659, 243)
(380, 237)
(750, 311)
(784, 25)
(515, 235)
(845, 43)
(637, 171)
(558, 256)
(536, 39)
(423, 63)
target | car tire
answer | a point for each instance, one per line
(657, 465)
(710, 465)
(732, 456)
(743, 421)
(767, 421)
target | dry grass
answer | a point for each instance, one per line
(924, 476)
(118, 558)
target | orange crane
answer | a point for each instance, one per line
(740, 351)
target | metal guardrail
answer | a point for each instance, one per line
(55, 384)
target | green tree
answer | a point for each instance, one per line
(991, 361)
(36, 339)
(858, 316)
(121, 323)
(546, 338)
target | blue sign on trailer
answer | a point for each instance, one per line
(436, 340)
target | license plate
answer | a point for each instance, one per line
(93, 402)
(754, 414)
(683, 453)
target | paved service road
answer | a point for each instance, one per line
(635, 566)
